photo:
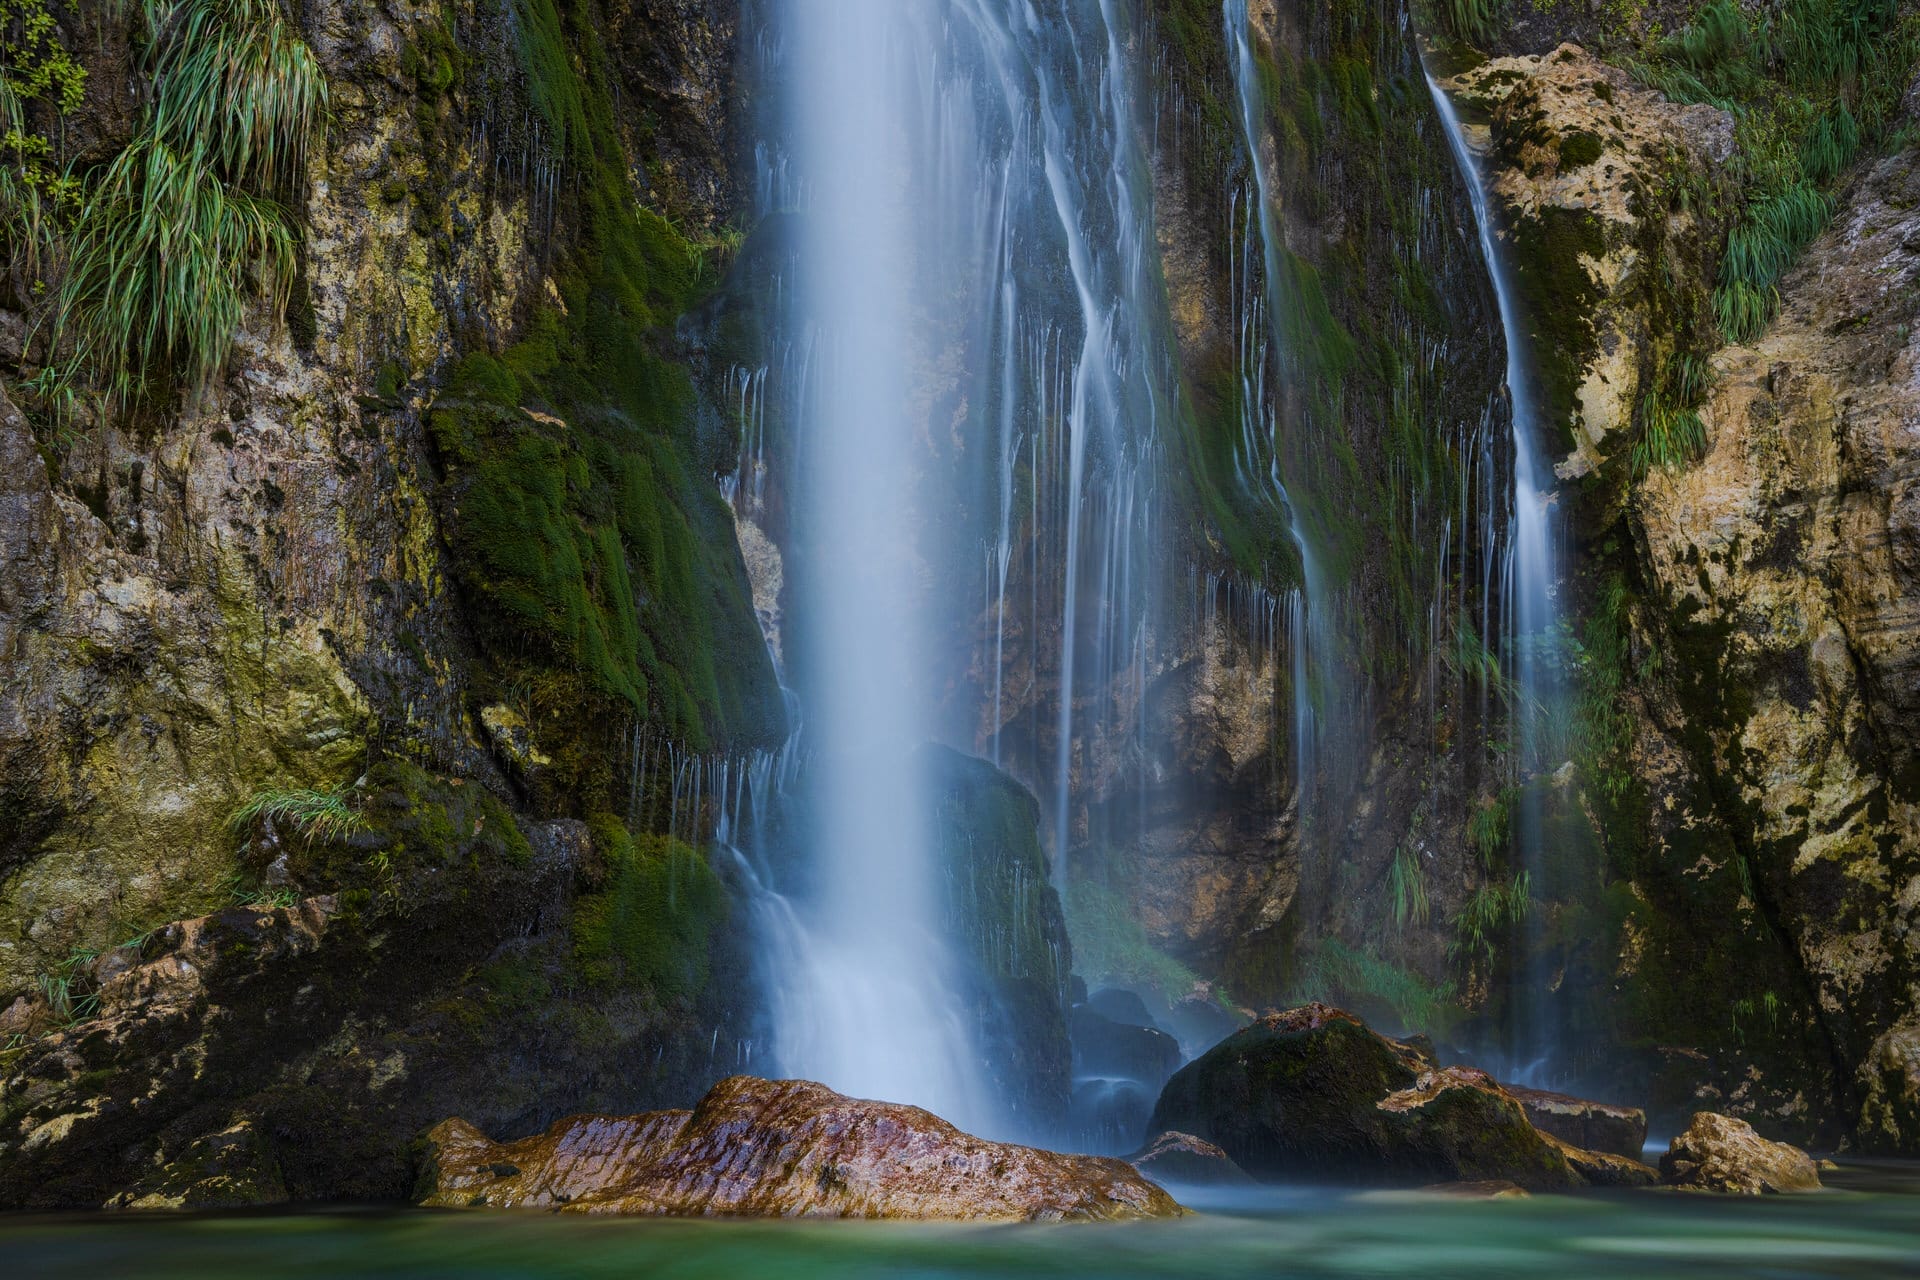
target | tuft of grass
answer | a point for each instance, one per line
(1487, 826)
(185, 228)
(164, 262)
(321, 817)
(1407, 886)
(1375, 988)
(1486, 915)
(1475, 21)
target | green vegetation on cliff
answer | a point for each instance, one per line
(1810, 83)
(166, 245)
(599, 558)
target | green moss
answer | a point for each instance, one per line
(1375, 988)
(1552, 247)
(1578, 150)
(599, 558)
(1111, 946)
(653, 922)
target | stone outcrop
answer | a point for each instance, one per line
(780, 1148)
(1583, 163)
(1580, 1122)
(1180, 1159)
(1719, 1153)
(1890, 1091)
(1311, 1094)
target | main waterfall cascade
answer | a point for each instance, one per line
(964, 382)
(956, 421)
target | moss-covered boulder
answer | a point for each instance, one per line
(1313, 1094)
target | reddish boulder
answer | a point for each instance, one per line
(780, 1148)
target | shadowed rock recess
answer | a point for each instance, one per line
(397, 606)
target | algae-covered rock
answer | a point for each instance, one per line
(780, 1148)
(1720, 1153)
(1292, 1096)
(1313, 1094)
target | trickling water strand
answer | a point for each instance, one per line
(1528, 572)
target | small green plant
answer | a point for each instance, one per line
(1671, 435)
(1487, 827)
(1491, 910)
(241, 892)
(1753, 1011)
(312, 816)
(1375, 987)
(1407, 886)
(69, 990)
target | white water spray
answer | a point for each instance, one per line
(863, 997)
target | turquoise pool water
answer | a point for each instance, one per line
(1868, 1226)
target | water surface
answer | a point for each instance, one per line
(1869, 1225)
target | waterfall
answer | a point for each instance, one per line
(862, 990)
(1310, 635)
(1528, 573)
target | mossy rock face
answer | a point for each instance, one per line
(447, 958)
(1007, 929)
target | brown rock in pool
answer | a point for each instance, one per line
(1581, 1122)
(780, 1148)
(1720, 1153)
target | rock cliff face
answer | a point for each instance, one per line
(1741, 931)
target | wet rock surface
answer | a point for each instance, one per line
(1581, 1122)
(1720, 1153)
(1180, 1159)
(780, 1148)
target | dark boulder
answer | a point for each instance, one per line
(1313, 1094)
